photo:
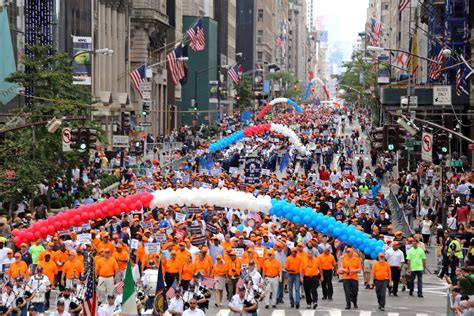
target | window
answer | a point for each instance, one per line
(260, 15)
(259, 37)
(259, 56)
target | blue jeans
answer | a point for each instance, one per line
(281, 286)
(294, 280)
(419, 276)
(39, 307)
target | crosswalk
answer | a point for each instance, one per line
(322, 312)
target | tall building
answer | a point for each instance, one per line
(299, 38)
(266, 32)
(282, 35)
(246, 20)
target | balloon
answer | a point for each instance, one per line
(37, 234)
(240, 227)
(297, 219)
(51, 230)
(17, 240)
(77, 219)
(15, 232)
(337, 232)
(30, 236)
(57, 225)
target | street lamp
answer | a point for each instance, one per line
(103, 51)
(377, 49)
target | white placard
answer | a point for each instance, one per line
(259, 251)
(265, 172)
(152, 247)
(239, 252)
(180, 217)
(233, 170)
(206, 185)
(120, 141)
(442, 95)
(84, 239)
(134, 243)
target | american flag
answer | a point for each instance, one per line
(402, 4)
(171, 292)
(458, 81)
(462, 74)
(208, 282)
(118, 288)
(234, 72)
(435, 67)
(279, 41)
(196, 34)
(375, 30)
(89, 306)
(137, 77)
(176, 67)
(240, 283)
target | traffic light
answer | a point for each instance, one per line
(145, 108)
(126, 122)
(139, 147)
(392, 138)
(442, 143)
(79, 138)
(378, 137)
(92, 139)
(237, 98)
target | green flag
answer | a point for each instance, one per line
(129, 298)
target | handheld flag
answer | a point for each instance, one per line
(89, 306)
(160, 305)
(129, 297)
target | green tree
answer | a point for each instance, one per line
(288, 83)
(245, 94)
(33, 153)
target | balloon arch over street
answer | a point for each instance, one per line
(197, 197)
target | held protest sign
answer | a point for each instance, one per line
(134, 244)
(180, 217)
(84, 239)
(152, 247)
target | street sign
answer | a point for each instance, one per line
(145, 86)
(413, 101)
(441, 95)
(145, 124)
(456, 163)
(146, 96)
(427, 146)
(66, 139)
(120, 141)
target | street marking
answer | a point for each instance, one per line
(365, 313)
(223, 312)
(393, 314)
(307, 312)
(335, 313)
(278, 312)
(421, 314)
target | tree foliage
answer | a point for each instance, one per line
(34, 154)
(245, 94)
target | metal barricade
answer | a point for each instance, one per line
(434, 259)
(399, 214)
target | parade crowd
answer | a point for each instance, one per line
(241, 259)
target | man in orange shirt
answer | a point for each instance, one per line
(327, 262)
(106, 268)
(72, 271)
(293, 268)
(381, 277)
(311, 273)
(233, 274)
(271, 273)
(121, 256)
(61, 258)
(350, 268)
(18, 269)
(172, 269)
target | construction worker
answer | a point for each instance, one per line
(293, 267)
(350, 267)
(272, 274)
(382, 278)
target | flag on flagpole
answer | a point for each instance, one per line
(176, 67)
(413, 63)
(434, 69)
(285, 161)
(172, 291)
(196, 34)
(137, 77)
(160, 304)
(89, 305)
(402, 4)
(129, 297)
(402, 59)
(118, 288)
(234, 72)
(462, 85)
(240, 283)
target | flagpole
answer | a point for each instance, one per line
(410, 41)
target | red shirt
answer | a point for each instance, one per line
(461, 213)
(324, 175)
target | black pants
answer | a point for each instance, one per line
(310, 285)
(351, 289)
(381, 291)
(231, 287)
(327, 283)
(396, 271)
(170, 278)
(47, 296)
(185, 285)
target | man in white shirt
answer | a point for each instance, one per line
(236, 304)
(39, 283)
(109, 308)
(176, 305)
(60, 309)
(149, 279)
(395, 259)
(3, 251)
(193, 310)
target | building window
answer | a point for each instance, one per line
(260, 15)
(259, 37)
(260, 56)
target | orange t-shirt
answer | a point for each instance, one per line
(61, 257)
(327, 261)
(181, 255)
(73, 269)
(381, 271)
(351, 264)
(187, 271)
(50, 269)
(246, 261)
(106, 267)
(219, 269)
(202, 266)
(233, 267)
(43, 254)
(271, 268)
(18, 269)
(106, 245)
(172, 266)
(310, 267)
(122, 259)
(293, 265)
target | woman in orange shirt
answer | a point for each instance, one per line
(186, 273)
(219, 271)
(201, 265)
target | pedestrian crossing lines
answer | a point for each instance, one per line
(321, 312)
